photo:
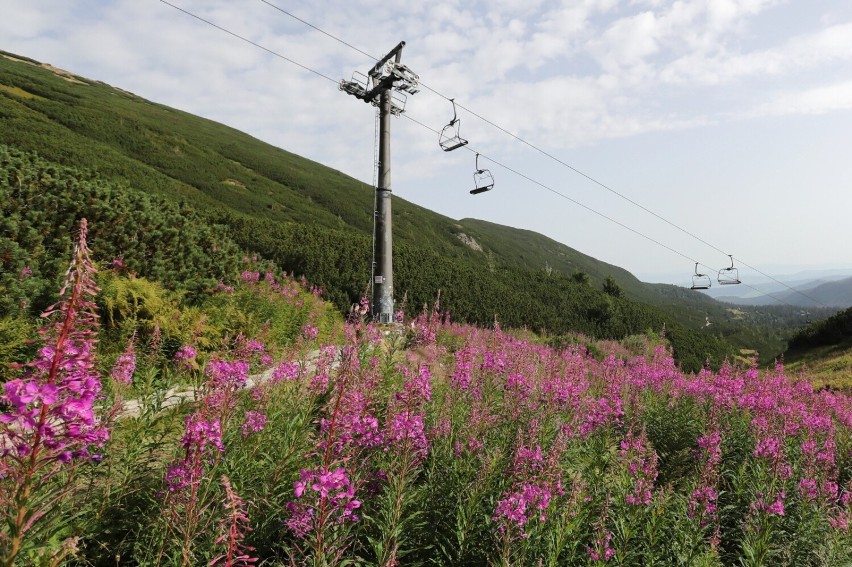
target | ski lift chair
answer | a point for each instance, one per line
(482, 180)
(450, 139)
(729, 276)
(700, 281)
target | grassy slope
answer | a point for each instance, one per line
(825, 365)
(824, 349)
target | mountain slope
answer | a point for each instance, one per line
(165, 151)
(230, 176)
(825, 350)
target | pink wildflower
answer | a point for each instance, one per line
(227, 374)
(602, 551)
(254, 423)
(285, 372)
(331, 490)
(185, 357)
(222, 288)
(124, 367)
(202, 443)
(310, 331)
(48, 416)
(641, 463)
(702, 504)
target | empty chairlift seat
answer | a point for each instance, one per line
(482, 179)
(450, 139)
(700, 281)
(729, 276)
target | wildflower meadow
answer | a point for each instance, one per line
(425, 442)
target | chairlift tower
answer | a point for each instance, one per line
(384, 87)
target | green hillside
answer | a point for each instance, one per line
(76, 121)
(322, 219)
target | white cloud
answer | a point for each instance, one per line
(829, 45)
(818, 100)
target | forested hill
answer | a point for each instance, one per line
(835, 332)
(256, 190)
(77, 121)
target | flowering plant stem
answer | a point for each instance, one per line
(49, 422)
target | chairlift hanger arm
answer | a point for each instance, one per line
(376, 71)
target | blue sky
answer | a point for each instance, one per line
(732, 119)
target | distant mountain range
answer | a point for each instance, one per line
(825, 290)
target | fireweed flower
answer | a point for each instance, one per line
(494, 361)
(124, 367)
(185, 357)
(202, 443)
(321, 494)
(602, 412)
(516, 506)
(249, 350)
(310, 331)
(269, 278)
(358, 311)
(641, 460)
(221, 287)
(423, 329)
(406, 430)
(405, 427)
(602, 550)
(841, 517)
(703, 500)
(473, 446)
(769, 448)
(48, 422)
(254, 423)
(355, 425)
(771, 504)
(224, 374)
(536, 482)
(416, 389)
(286, 372)
(52, 406)
(324, 364)
(702, 504)
(461, 376)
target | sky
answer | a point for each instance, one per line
(653, 133)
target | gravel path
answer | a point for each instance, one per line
(179, 394)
